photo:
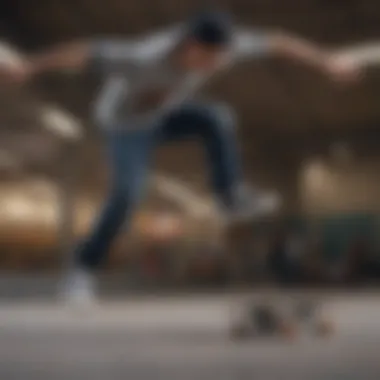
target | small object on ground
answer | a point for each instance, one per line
(271, 318)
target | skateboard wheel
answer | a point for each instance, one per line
(288, 330)
(325, 328)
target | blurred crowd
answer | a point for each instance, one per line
(276, 253)
(293, 258)
(286, 258)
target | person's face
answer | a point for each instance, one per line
(194, 56)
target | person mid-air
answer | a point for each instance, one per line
(147, 99)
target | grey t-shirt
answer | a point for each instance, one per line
(140, 84)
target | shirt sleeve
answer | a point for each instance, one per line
(108, 55)
(251, 44)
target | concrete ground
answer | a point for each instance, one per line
(180, 338)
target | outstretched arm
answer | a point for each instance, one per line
(74, 56)
(252, 44)
(361, 55)
(300, 50)
(106, 55)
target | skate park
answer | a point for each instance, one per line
(296, 297)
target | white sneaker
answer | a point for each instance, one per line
(252, 204)
(79, 289)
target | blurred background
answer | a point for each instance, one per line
(314, 142)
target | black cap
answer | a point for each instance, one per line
(211, 28)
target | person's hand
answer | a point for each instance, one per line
(343, 69)
(15, 73)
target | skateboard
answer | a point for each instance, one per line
(289, 319)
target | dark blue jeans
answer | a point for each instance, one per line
(130, 153)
